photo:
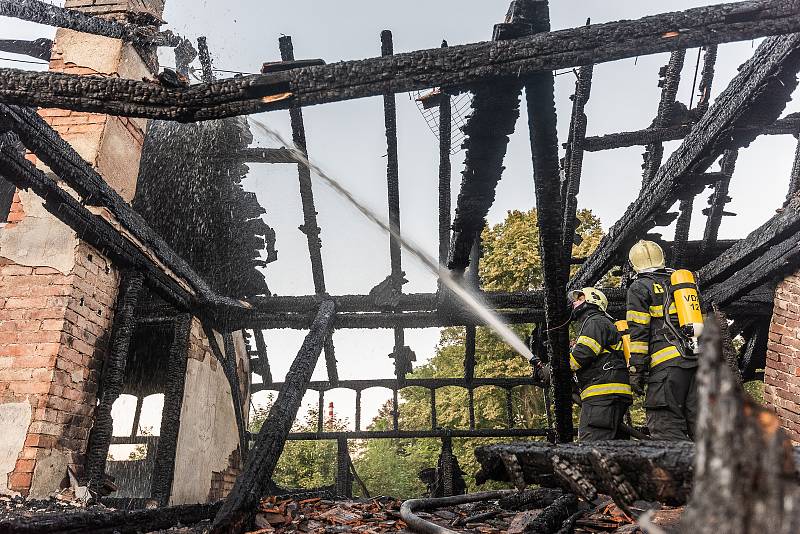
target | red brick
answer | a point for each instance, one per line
(20, 481)
(27, 302)
(41, 441)
(13, 269)
(32, 387)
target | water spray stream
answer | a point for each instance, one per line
(470, 299)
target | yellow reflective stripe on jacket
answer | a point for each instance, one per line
(637, 317)
(658, 311)
(664, 355)
(639, 347)
(606, 389)
(573, 363)
(618, 346)
(593, 345)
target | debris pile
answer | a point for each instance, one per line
(380, 514)
(15, 507)
(514, 515)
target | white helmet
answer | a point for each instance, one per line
(592, 295)
(646, 255)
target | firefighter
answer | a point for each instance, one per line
(662, 357)
(599, 365)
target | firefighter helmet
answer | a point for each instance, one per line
(593, 296)
(646, 255)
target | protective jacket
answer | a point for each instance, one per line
(597, 358)
(654, 345)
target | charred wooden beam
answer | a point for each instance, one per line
(789, 125)
(205, 60)
(452, 66)
(706, 79)
(262, 368)
(767, 253)
(445, 172)
(550, 519)
(258, 470)
(573, 163)
(671, 78)
(112, 378)
(102, 520)
(102, 212)
(682, 228)
(164, 468)
(310, 226)
(44, 13)
(402, 361)
(495, 110)
(756, 95)
(660, 471)
(540, 96)
(717, 202)
(39, 48)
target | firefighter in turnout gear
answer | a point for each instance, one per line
(662, 356)
(598, 362)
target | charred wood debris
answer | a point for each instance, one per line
(215, 239)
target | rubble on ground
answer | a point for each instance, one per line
(382, 515)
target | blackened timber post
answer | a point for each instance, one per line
(447, 463)
(344, 479)
(164, 467)
(719, 198)
(474, 282)
(257, 473)
(682, 227)
(113, 376)
(393, 193)
(263, 361)
(445, 172)
(684, 222)
(654, 152)
(706, 80)
(310, 226)
(205, 60)
(573, 164)
(539, 92)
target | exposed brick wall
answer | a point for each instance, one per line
(55, 325)
(17, 212)
(782, 373)
(53, 335)
(222, 482)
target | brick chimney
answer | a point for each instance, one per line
(57, 293)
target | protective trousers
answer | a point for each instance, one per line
(671, 404)
(602, 421)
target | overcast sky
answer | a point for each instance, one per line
(347, 140)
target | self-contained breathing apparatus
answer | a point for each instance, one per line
(681, 296)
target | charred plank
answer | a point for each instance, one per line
(44, 13)
(452, 66)
(789, 125)
(660, 471)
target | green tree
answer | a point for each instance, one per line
(303, 464)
